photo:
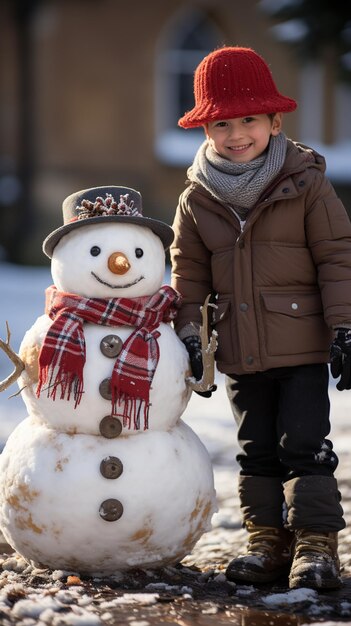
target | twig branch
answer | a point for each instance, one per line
(208, 348)
(19, 365)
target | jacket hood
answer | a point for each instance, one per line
(300, 156)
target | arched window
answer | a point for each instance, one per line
(183, 44)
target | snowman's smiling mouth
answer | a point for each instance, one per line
(103, 282)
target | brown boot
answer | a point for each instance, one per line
(267, 557)
(316, 563)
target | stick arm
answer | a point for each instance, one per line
(16, 360)
(208, 348)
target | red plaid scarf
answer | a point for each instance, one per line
(62, 356)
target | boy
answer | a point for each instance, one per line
(261, 228)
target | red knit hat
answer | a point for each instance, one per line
(234, 82)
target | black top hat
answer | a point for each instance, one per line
(105, 204)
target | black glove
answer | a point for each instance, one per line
(193, 346)
(340, 358)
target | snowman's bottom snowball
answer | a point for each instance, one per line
(51, 489)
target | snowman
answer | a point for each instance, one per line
(103, 475)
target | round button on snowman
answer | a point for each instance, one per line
(103, 475)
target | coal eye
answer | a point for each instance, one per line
(95, 251)
(139, 252)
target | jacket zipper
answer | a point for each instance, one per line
(241, 222)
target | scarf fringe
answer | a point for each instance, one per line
(69, 382)
(132, 410)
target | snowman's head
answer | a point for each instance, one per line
(105, 205)
(106, 248)
(109, 260)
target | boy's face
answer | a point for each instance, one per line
(242, 139)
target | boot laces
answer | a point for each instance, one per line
(263, 539)
(318, 543)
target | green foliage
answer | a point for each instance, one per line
(325, 26)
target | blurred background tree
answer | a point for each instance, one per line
(316, 30)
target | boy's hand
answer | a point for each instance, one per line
(340, 358)
(193, 346)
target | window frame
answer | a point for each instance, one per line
(173, 145)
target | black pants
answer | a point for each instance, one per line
(283, 420)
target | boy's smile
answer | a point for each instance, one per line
(243, 139)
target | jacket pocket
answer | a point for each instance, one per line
(294, 304)
(293, 323)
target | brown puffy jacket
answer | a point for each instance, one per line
(282, 283)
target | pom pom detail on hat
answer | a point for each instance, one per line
(234, 82)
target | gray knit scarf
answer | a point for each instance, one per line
(238, 185)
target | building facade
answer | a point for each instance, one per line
(91, 91)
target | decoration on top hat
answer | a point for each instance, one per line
(107, 206)
(102, 204)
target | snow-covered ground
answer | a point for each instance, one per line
(22, 301)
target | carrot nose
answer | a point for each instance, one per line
(118, 263)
